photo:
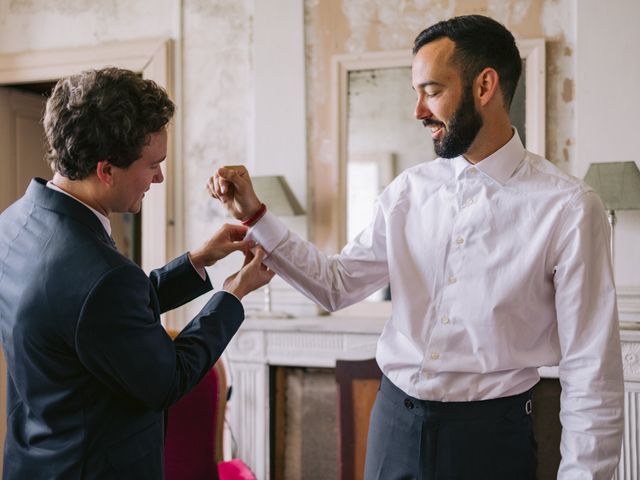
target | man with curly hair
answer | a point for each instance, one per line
(90, 367)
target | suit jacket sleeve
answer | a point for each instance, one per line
(119, 338)
(178, 283)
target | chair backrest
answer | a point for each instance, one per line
(358, 382)
(193, 440)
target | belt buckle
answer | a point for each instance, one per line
(528, 407)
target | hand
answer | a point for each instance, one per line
(251, 276)
(232, 186)
(229, 238)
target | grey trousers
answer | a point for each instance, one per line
(425, 440)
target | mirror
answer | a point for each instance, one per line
(378, 136)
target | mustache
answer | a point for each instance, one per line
(431, 123)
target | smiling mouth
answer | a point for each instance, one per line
(436, 131)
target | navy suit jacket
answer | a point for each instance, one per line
(90, 367)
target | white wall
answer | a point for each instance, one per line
(608, 107)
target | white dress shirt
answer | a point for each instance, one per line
(495, 270)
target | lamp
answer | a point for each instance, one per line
(275, 192)
(618, 184)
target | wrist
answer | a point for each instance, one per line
(257, 214)
(234, 289)
(198, 259)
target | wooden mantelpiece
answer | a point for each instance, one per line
(320, 341)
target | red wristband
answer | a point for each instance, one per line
(256, 216)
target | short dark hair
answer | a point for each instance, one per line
(105, 114)
(480, 42)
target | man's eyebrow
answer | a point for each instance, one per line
(428, 84)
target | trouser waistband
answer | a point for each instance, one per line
(518, 405)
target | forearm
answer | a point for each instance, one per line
(334, 281)
(593, 425)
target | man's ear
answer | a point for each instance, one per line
(487, 86)
(104, 171)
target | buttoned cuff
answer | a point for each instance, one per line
(268, 232)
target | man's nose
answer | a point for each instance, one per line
(158, 177)
(422, 111)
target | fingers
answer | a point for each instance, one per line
(211, 189)
(226, 178)
(242, 245)
(234, 175)
(265, 274)
(258, 255)
(234, 231)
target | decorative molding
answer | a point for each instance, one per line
(629, 304)
(631, 361)
(320, 341)
(249, 414)
(629, 465)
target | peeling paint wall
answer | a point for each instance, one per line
(42, 24)
(215, 71)
(356, 26)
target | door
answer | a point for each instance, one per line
(21, 143)
(21, 158)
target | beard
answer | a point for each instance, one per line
(464, 125)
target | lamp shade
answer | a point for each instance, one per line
(617, 183)
(275, 192)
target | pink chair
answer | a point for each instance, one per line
(193, 439)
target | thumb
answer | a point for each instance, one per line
(258, 256)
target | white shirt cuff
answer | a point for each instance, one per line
(268, 232)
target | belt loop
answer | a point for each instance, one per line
(528, 407)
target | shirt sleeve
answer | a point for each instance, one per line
(591, 364)
(333, 281)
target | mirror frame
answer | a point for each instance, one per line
(531, 50)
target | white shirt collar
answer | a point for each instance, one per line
(500, 165)
(104, 220)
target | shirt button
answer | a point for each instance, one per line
(459, 240)
(435, 356)
(452, 280)
(408, 403)
(472, 171)
(445, 320)
(467, 203)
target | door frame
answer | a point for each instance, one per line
(153, 59)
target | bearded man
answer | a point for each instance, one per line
(498, 264)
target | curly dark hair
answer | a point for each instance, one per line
(481, 42)
(105, 114)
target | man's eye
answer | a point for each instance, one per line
(431, 94)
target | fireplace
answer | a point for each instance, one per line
(312, 345)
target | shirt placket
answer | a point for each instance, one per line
(452, 274)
